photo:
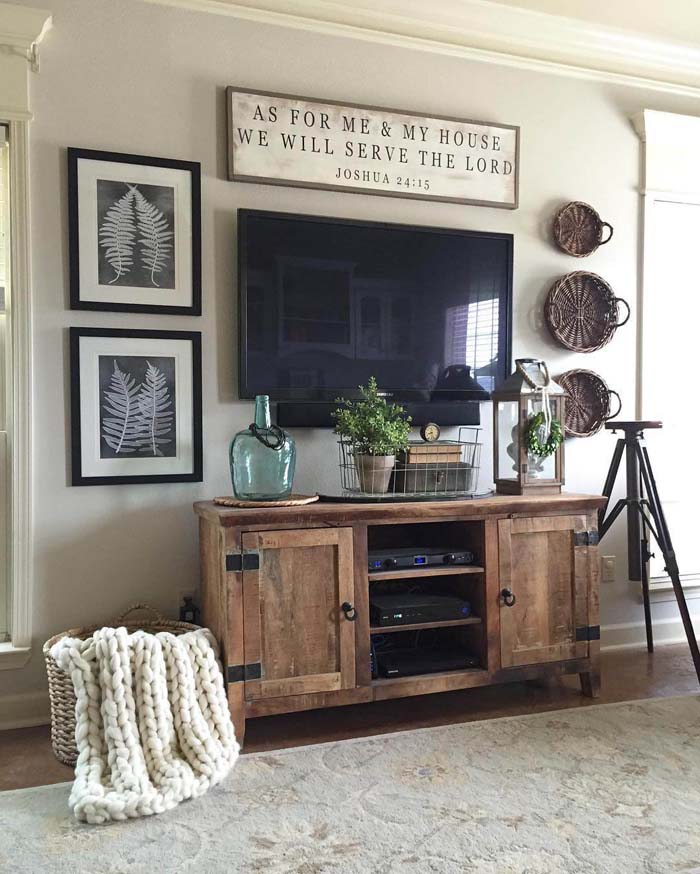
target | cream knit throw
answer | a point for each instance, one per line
(152, 721)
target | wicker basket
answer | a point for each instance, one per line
(61, 691)
(588, 405)
(578, 229)
(582, 311)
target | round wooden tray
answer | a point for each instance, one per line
(578, 229)
(582, 312)
(588, 405)
(291, 501)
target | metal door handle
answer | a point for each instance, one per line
(349, 610)
(508, 597)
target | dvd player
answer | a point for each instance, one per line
(412, 609)
(408, 662)
(396, 559)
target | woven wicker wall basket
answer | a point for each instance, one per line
(588, 402)
(582, 312)
(578, 229)
(61, 693)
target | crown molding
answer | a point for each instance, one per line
(485, 31)
(659, 128)
(22, 28)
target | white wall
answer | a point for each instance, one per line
(133, 77)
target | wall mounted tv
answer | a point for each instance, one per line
(325, 303)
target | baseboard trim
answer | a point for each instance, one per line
(632, 635)
(24, 710)
(28, 709)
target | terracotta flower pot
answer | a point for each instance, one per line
(374, 472)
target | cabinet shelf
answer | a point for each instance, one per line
(437, 571)
(418, 626)
(443, 677)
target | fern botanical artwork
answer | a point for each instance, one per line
(135, 406)
(134, 232)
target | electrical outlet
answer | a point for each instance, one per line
(185, 593)
(608, 562)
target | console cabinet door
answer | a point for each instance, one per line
(298, 638)
(547, 573)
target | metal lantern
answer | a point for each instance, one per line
(526, 394)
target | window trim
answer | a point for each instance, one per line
(16, 653)
(21, 30)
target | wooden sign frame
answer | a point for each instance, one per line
(461, 156)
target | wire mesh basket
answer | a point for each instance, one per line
(445, 468)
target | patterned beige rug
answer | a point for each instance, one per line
(613, 789)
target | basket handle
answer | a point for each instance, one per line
(612, 415)
(541, 365)
(139, 606)
(554, 313)
(619, 300)
(602, 242)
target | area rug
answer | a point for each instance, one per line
(611, 789)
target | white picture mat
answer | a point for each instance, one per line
(89, 171)
(91, 348)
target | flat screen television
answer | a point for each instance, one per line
(325, 303)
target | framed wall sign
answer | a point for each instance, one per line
(136, 406)
(135, 233)
(279, 139)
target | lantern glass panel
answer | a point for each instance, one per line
(541, 468)
(508, 440)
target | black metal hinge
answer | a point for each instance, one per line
(241, 673)
(247, 561)
(587, 632)
(586, 538)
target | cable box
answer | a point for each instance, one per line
(396, 559)
(408, 662)
(411, 609)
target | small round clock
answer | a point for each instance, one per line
(430, 432)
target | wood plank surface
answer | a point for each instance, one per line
(222, 608)
(548, 575)
(427, 684)
(377, 514)
(308, 701)
(363, 674)
(491, 607)
(300, 636)
(437, 571)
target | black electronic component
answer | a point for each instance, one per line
(410, 608)
(408, 662)
(395, 559)
(309, 313)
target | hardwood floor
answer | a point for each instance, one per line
(26, 758)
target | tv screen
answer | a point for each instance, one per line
(327, 303)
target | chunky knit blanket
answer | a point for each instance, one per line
(152, 721)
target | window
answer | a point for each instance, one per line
(669, 314)
(4, 292)
(671, 310)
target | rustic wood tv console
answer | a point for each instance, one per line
(286, 592)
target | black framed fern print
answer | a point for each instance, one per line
(136, 406)
(135, 233)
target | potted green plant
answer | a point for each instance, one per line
(374, 431)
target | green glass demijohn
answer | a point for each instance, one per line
(262, 458)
